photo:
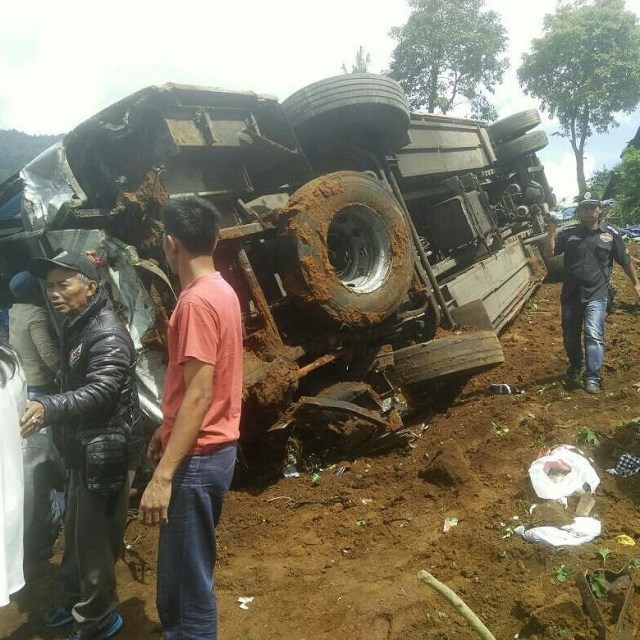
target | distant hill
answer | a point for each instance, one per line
(17, 148)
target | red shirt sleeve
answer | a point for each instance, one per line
(198, 334)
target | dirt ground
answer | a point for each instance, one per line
(341, 556)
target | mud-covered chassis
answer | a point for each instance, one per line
(340, 298)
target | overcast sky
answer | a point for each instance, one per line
(62, 61)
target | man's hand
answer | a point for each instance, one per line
(155, 502)
(32, 419)
(154, 450)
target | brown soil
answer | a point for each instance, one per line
(340, 558)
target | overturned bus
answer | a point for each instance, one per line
(376, 252)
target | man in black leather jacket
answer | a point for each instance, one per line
(97, 428)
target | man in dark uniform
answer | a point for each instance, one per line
(589, 251)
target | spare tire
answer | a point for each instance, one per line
(346, 251)
(467, 353)
(515, 125)
(364, 107)
(522, 146)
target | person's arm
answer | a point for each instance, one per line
(550, 241)
(622, 256)
(41, 337)
(198, 380)
(109, 359)
(630, 270)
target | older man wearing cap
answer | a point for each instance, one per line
(98, 431)
(30, 336)
(589, 249)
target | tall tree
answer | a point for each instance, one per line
(585, 69)
(361, 63)
(450, 52)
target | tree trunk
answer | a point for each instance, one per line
(578, 151)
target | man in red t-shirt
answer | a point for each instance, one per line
(196, 444)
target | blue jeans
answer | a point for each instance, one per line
(186, 598)
(588, 317)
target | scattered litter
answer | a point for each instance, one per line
(279, 498)
(315, 478)
(366, 500)
(581, 530)
(500, 389)
(347, 550)
(585, 505)
(361, 522)
(245, 601)
(628, 465)
(338, 471)
(449, 523)
(561, 473)
(625, 540)
(291, 472)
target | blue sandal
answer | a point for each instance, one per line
(114, 626)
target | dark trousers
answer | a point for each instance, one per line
(187, 548)
(93, 530)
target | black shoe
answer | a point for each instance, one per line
(592, 386)
(572, 377)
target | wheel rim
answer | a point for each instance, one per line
(359, 244)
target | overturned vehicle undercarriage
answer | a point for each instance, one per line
(375, 251)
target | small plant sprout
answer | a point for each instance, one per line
(588, 436)
(604, 553)
(597, 582)
(633, 563)
(499, 428)
(561, 573)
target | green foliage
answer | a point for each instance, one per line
(628, 188)
(361, 62)
(585, 69)
(448, 52)
(604, 553)
(597, 582)
(499, 428)
(588, 436)
(17, 148)
(561, 573)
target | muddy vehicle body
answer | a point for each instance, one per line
(354, 232)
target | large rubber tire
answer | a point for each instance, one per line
(515, 125)
(366, 107)
(467, 353)
(522, 146)
(346, 252)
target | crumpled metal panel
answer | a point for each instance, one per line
(48, 185)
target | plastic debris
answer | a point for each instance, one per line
(449, 523)
(625, 540)
(291, 472)
(315, 479)
(500, 389)
(361, 522)
(561, 473)
(580, 531)
(245, 601)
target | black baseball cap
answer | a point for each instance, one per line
(39, 267)
(589, 199)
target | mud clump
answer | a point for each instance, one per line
(448, 468)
